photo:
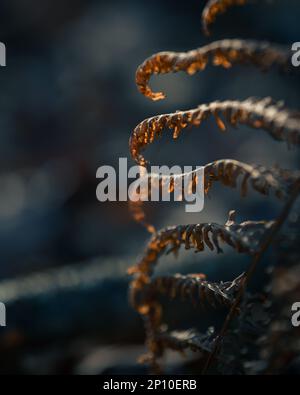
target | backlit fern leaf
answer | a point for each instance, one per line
(261, 179)
(281, 123)
(244, 237)
(252, 238)
(230, 173)
(225, 53)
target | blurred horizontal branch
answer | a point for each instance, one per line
(86, 299)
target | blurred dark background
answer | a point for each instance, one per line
(68, 103)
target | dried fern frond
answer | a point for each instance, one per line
(216, 7)
(281, 123)
(193, 288)
(253, 238)
(261, 179)
(196, 289)
(225, 53)
(245, 237)
(230, 173)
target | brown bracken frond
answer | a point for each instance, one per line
(244, 238)
(193, 288)
(225, 53)
(261, 179)
(196, 289)
(281, 123)
(216, 7)
(230, 173)
(252, 238)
